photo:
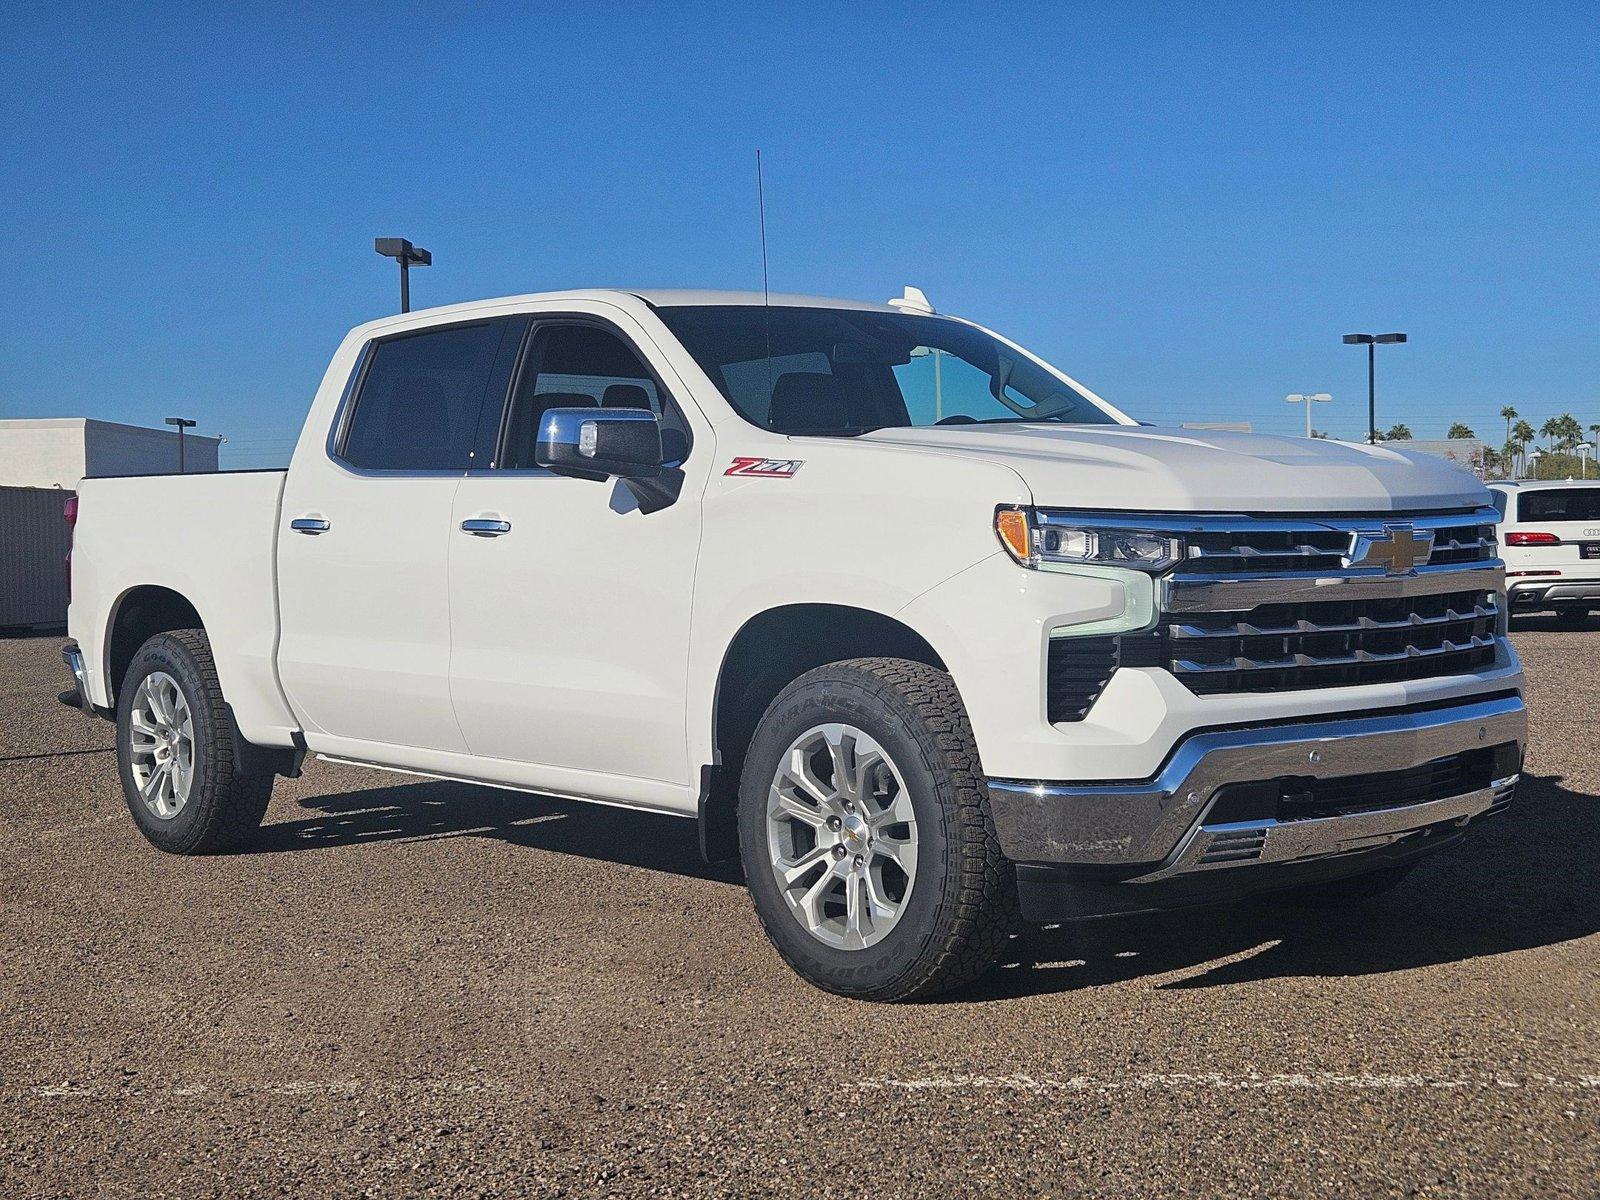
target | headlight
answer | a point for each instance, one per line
(1035, 539)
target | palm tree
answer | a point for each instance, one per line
(1460, 432)
(1521, 434)
(1398, 433)
(1549, 430)
(1570, 431)
(1510, 414)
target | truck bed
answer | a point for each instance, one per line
(209, 538)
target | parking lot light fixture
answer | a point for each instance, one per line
(1372, 341)
(182, 423)
(1308, 399)
(408, 256)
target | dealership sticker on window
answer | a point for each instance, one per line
(766, 468)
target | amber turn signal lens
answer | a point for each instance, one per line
(1012, 526)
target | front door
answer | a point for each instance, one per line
(569, 606)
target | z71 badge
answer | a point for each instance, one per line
(766, 468)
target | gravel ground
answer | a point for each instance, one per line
(413, 987)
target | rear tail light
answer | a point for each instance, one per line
(1532, 539)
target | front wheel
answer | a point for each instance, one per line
(866, 837)
(178, 752)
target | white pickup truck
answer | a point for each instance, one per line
(929, 635)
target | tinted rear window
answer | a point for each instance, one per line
(420, 399)
(1560, 504)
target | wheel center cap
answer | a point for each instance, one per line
(854, 833)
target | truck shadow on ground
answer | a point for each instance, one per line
(1523, 880)
(442, 809)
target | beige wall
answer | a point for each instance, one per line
(58, 452)
(41, 453)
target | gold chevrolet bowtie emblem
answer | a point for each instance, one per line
(1396, 548)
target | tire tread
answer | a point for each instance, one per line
(232, 803)
(979, 913)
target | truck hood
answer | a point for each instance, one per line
(1138, 468)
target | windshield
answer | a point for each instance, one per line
(846, 371)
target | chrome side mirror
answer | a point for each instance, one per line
(600, 443)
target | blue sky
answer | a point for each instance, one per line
(1183, 206)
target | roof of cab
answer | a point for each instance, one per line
(679, 298)
(655, 297)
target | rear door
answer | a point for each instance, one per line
(570, 617)
(365, 650)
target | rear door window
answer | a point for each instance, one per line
(421, 397)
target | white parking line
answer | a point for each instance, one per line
(1244, 1082)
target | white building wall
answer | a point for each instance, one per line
(42, 453)
(58, 452)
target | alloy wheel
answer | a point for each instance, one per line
(841, 836)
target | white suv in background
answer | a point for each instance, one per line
(1550, 539)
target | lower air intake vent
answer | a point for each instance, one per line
(1079, 668)
(1243, 845)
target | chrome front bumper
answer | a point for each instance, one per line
(1239, 843)
(1154, 830)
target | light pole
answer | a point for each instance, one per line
(1308, 399)
(1372, 341)
(1584, 450)
(408, 256)
(182, 423)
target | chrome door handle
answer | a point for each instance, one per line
(481, 527)
(312, 525)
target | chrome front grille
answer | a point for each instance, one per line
(1283, 646)
(1271, 546)
(1278, 605)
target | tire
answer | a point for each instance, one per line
(1352, 890)
(1572, 618)
(954, 911)
(220, 807)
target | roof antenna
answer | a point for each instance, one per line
(766, 301)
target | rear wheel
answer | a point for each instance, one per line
(178, 752)
(865, 833)
(1572, 618)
